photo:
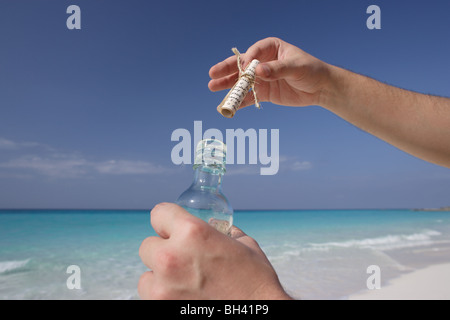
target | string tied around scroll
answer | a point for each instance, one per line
(248, 77)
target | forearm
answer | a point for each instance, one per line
(416, 123)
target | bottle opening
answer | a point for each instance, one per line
(211, 153)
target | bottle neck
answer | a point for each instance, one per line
(206, 178)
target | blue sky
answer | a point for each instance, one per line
(86, 116)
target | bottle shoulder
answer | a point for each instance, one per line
(204, 199)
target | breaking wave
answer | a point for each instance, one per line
(388, 242)
(11, 266)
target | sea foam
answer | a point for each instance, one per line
(388, 242)
(10, 266)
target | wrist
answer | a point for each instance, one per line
(334, 88)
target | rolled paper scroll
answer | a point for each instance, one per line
(236, 95)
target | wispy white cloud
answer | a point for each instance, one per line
(9, 144)
(290, 163)
(54, 166)
(247, 169)
(49, 162)
(6, 144)
(287, 164)
(301, 165)
(128, 167)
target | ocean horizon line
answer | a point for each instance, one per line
(236, 210)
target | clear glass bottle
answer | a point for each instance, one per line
(204, 198)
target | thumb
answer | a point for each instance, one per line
(239, 235)
(236, 233)
(275, 70)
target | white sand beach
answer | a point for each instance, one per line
(430, 283)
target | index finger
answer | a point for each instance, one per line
(165, 216)
(263, 50)
(224, 68)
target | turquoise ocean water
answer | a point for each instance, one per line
(318, 254)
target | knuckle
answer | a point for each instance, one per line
(252, 242)
(273, 39)
(197, 230)
(168, 261)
